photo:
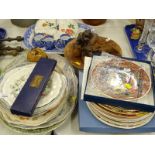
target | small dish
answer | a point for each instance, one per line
(2, 33)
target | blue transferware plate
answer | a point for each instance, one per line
(58, 44)
(133, 43)
(37, 40)
(65, 38)
(48, 42)
(2, 33)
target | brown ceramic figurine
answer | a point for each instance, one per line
(88, 44)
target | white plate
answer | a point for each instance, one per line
(122, 125)
(124, 118)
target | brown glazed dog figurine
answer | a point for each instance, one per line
(88, 44)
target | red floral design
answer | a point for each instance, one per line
(69, 31)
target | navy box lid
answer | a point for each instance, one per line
(29, 96)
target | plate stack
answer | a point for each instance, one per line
(119, 117)
(119, 80)
(56, 103)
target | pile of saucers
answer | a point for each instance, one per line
(55, 105)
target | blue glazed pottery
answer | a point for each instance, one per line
(38, 40)
(48, 42)
(59, 44)
(65, 38)
(2, 33)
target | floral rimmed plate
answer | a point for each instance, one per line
(123, 80)
(59, 41)
(56, 27)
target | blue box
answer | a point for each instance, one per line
(92, 97)
(30, 94)
(88, 123)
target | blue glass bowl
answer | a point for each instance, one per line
(2, 33)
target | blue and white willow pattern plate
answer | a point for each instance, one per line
(59, 44)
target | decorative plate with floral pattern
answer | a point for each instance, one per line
(122, 79)
(61, 31)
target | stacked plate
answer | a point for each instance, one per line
(55, 105)
(119, 117)
(125, 80)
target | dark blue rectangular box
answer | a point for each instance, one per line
(29, 96)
